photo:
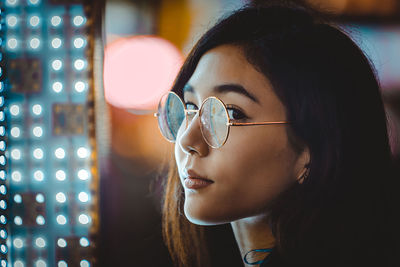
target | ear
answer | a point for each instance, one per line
(302, 165)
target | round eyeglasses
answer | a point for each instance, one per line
(214, 119)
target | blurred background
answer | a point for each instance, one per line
(81, 159)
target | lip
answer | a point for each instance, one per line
(192, 180)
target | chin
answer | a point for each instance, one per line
(205, 218)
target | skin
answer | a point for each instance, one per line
(255, 164)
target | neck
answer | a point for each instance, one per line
(253, 233)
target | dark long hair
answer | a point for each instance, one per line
(344, 213)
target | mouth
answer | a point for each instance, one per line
(194, 181)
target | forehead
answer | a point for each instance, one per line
(227, 64)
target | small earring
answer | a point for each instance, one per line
(304, 175)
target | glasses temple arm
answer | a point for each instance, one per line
(255, 123)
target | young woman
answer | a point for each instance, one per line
(280, 133)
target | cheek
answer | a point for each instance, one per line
(260, 166)
(179, 154)
(250, 171)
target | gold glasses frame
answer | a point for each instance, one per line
(200, 111)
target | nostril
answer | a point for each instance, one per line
(191, 150)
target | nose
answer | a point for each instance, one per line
(191, 140)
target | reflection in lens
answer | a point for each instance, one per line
(214, 122)
(171, 112)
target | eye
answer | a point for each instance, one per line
(190, 105)
(235, 113)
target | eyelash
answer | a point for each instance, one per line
(230, 108)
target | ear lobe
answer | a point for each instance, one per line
(303, 165)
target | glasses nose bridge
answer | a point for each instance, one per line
(190, 114)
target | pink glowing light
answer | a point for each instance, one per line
(139, 70)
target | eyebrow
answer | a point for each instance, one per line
(225, 88)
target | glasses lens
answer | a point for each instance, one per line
(171, 114)
(214, 120)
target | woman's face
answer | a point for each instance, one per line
(255, 164)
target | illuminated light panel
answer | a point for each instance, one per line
(2, 175)
(37, 109)
(1, 101)
(83, 197)
(55, 21)
(62, 264)
(40, 242)
(37, 131)
(3, 233)
(40, 263)
(11, 21)
(130, 65)
(56, 43)
(12, 2)
(2, 145)
(16, 176)
(61, 198)
(38, 175)
(12, 43)
(78, 20)
(83, 219)
(3, 189)
(2, 130)
(17, 198)
(61, 243)
(34, 2)
(15, 132)
(79, 42)
(61, 219)
(3, 220)
(56, 64)
(19, 263)
(38, 153)
(82, 152)
(34, 21)
(2, 160)
(18, 243)
(61, 175)
(3, 204)
(18, 220)
(84, 242)
(59, 153)
(84, 263)
(57, 87)
(40, 220)
(79, 64)
(39, 198)
(80, 86)
(14, 110)
(16, 154)
(1, 116)
(83, 174)
(3, 249)
(34, 43)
